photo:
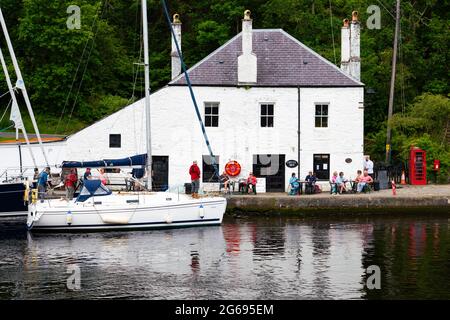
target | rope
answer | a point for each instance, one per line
(188, 81)
(4, 113)
(75, 77)
(332, 33)
(390, 13)
(7, 128)
(85, 68)
(7, 92)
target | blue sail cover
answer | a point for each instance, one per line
(138, 160)
(92, 188)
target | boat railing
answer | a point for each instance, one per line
(15, 173)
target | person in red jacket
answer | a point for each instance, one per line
(251, 183)
(194, 171)
(70, 184)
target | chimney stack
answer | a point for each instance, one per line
(355, 51)
(247, 61)
(176, 61)
(345, 47)
(350, 47)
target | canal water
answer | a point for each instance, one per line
(251, 258)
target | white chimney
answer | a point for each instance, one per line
(350, 47)
(176, 62)
(247, 61)
(345, 47)
(355, 47)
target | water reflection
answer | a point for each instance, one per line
(257, 258)
(268, 240)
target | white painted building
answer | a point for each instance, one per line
(264, 97)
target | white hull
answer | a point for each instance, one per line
(126, 211)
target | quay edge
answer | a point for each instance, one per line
(336, 205)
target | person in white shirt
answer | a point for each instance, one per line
(368, 165)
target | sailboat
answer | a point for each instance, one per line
(12, 190)
(98, 208)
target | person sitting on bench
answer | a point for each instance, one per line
(251, 183)
(340, 182)
(363, 181)
(294, 184)
(310, 183)
(224, 181)
(333, 184)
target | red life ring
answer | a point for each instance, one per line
(233, 168)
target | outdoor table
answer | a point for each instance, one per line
(353, 185)
(300, 188)
(312, 187)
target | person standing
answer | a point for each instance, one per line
(70, 183)
(194, 171)
(43, 182)
(87, 174)
(103, 177)
(368, 165)
(35, 178)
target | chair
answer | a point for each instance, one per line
(253, 187)
(368, 188)
(354, 185)
(333, 188)
(294, 190)
(310, 188)
(230, 186)
(242, 186)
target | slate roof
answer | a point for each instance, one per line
(283, 61)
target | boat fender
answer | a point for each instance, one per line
(34, 195)
(168, 219)
(201, 211)
(69, 217)
(26, 195)
(31, 217)
(30, 224)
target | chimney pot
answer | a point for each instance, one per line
(247, 14)
(176, 62)
(346, 23)
(176, 18)
(355, 16)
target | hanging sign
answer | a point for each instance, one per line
(291, 163)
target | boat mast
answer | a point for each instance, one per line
(147, 94)
(15, 105)
(21, 84)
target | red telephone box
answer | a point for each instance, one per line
(417, 166)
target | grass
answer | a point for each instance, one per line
(48, 124)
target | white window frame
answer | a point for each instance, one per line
(211, 104)
(322, 116)
(266, 116)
